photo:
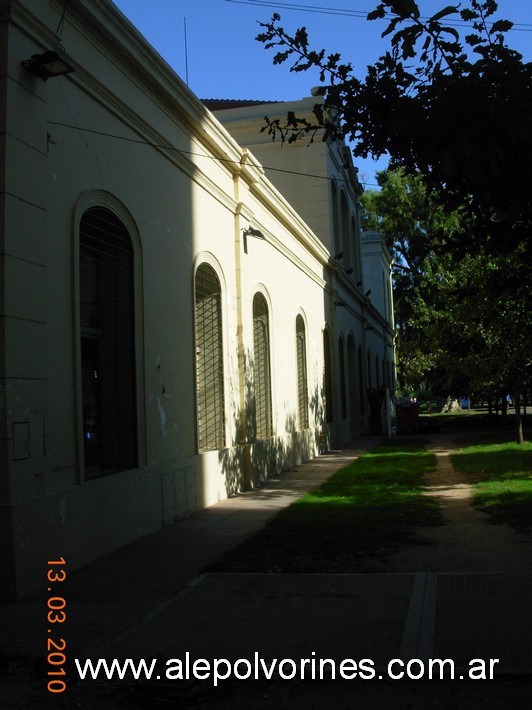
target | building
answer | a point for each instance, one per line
(176, 324)
(319, 179)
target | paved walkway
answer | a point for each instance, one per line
(467, 543)
(151, 600)
(131, 586)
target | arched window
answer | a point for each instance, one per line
(335, 241)
(327, 378)
(262, 371)
(356, 248)
(352, 377)
(302, 388)
(361, 381)
(107, 332)
(341, 363)
(345, 237)
(209, 360)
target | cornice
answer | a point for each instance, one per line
(104, 27)
(119, 41)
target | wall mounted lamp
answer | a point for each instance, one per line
(251, 232)
(349, 271)
(47, 65)
(339, 256)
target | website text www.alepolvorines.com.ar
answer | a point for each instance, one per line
(217, 670)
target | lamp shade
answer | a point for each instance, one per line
(47, 65)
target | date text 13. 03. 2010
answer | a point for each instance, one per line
(55, 615)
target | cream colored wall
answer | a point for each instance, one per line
(377, 272)
(181, 209)
(288, 167)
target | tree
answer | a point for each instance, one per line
(455, 111)
(413, 224)
(479, 326)
(463, 321)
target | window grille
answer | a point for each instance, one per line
(343, 401)
(345, 237)
(361, 381)
(335, 240)
(327, 381)
(262, 372)
(352, 377)
(107, 322)
(302, 388)
(209, 360)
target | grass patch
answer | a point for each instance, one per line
(502, 474)
(363, 512)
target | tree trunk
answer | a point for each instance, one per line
(519, 438)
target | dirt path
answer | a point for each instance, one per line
(467, 542)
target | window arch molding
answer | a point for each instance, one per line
(207, 257)
(102, 198)
(107, 201)
(259, 287)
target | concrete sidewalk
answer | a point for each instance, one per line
(114, 594)
(150, 600)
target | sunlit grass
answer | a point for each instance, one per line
(502, 474)
(360, 514)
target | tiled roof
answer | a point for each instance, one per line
(222, 104)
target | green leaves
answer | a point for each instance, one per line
(463, 314)
(454, 109)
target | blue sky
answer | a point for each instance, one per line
(225, 60)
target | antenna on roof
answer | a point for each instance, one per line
(186, 49)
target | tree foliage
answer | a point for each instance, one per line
(415, 225)
(454, 110)
(453, 113)
(463, 321)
